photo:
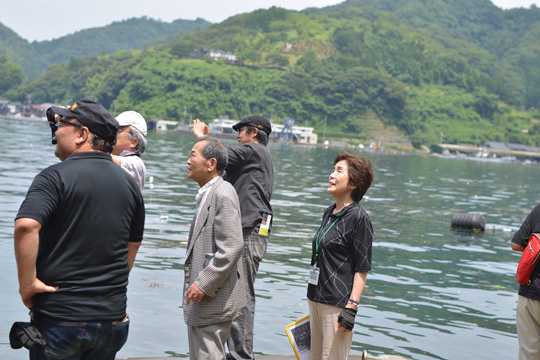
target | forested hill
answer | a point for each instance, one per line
(17, 50)
(454, 70)
(133, 33)
(510, 35)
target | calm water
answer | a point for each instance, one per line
(432, 294)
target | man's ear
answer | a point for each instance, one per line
(212, 164)
(84, 135)
(134, 143)
(254, 133)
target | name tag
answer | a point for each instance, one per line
(265, 224)
(314, 275)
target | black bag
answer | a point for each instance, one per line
(27, 335)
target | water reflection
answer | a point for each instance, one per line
(432, 294)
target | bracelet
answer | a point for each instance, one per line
(353, 301)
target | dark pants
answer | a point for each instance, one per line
(99, 340)
(240, 342)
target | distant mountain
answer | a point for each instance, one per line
(18, 50)
(129, 34)
(510, 35)
(433, 70)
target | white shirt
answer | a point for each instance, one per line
(134, 166)
(200, 198)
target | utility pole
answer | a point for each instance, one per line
(324, 132)
(185, 113)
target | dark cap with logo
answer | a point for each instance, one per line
(92, 115)
(259, 122)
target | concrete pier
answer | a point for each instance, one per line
(282, 357)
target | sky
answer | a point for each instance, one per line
(50, 19)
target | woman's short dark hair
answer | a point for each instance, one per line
(215, 149)
(262, 136)
(360, 171)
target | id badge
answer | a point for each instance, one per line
(314, 275)
(265, 224)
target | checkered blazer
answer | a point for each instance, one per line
(217, 230)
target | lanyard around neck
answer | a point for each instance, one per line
(319, 238)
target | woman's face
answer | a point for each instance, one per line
(338, 182)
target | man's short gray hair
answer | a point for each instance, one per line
(134, 134)
(215, 149)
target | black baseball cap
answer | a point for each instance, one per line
(260, 122)
(92, 115)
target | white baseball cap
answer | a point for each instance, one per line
(134, 119)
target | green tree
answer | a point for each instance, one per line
(11, 75)
(277, 60)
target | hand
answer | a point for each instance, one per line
(200, 129)
(346, 319)
(51, 118)
(37, 287)
(194, 294)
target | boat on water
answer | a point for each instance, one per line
(223, 126)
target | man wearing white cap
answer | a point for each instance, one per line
(130, 144)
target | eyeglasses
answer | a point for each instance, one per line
(63, 121)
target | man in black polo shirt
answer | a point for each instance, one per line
(76, 236)
(251, 172)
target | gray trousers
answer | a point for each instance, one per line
(240, 341)
(208, 342)
(528, 328)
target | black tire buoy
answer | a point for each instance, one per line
(473, 221)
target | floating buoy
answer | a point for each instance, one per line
(473, 221)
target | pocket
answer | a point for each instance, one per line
(120, 330)
(258, 244)
(63, 339)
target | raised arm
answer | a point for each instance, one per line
(200, 129)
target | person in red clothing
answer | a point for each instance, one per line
(528, 304)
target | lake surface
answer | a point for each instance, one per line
(432, 293)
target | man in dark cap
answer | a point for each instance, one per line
(251, 172)
(76, 236)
